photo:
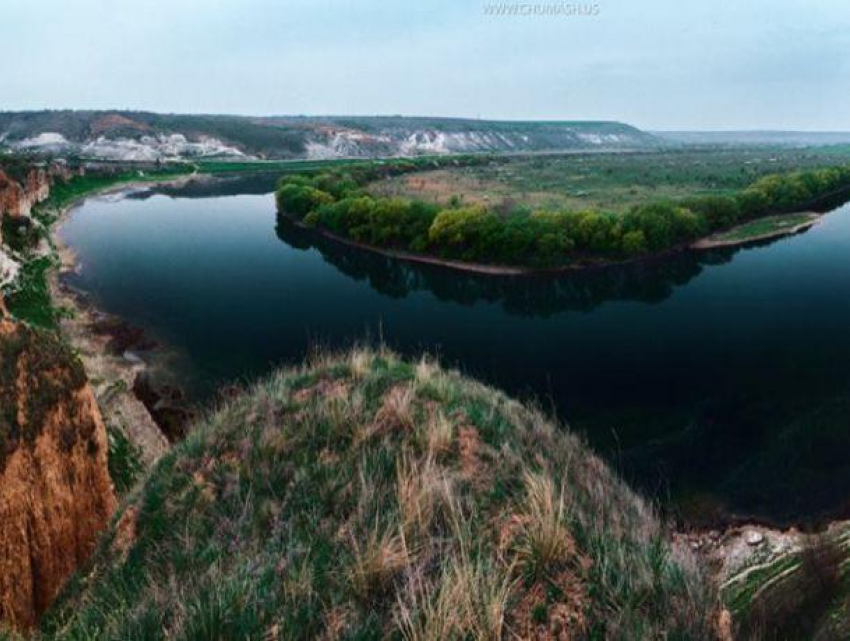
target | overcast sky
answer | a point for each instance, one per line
(657, 64)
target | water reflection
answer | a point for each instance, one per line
(541, 295)
(253, 183)
(713, 436)
(719, 383)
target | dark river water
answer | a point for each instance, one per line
(718, 382)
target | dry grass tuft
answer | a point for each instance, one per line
(468, 600)
(360, 362)
(439, 434)
(397, 409)
(377, 562)
(543, 541)
(423, 489)
(425, 369)
(469, 445)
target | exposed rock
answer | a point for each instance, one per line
(167, 406)
(17, 198)
(55, 492)
(8, 271)
(139, 136)
(754, 537)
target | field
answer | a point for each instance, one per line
(604, 181)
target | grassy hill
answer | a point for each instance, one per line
(362, 496)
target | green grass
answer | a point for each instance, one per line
(30, 299)
(368, 497)
(606, 181)
(63, 193)
(763, 227)
(125, 460)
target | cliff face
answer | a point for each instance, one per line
(126, 135)
(55, 492)
(8, 270)
(17, 198)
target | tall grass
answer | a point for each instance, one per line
(362, 496)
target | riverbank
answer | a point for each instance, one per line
(112, 362)
(762, 229)
(485, 269)
(711, 242)
(97, 320)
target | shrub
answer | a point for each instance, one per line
(462, 232)
(634, 243)
(298, 200)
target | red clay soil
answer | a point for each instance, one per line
(56, 496)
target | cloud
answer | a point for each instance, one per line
(661, 64)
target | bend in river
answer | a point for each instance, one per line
(716, 380)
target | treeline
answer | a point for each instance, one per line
(338, 202)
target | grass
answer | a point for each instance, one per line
(768, 226)
(362, 496)
(29, 299)
(604, 181)
(125, 460)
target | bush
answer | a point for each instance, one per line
(463, 232)
(718, 211)
(664, 224)
(634, 243)
(298, 200)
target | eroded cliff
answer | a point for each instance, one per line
(18, 195)
(55, 492)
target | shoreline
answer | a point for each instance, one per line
(716, 240)
(513, 270)
(478, 268)
(115, 373)
(112, 375)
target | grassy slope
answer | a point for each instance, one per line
(364, 497)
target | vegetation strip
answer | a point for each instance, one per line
(761, 229)
(339, 202)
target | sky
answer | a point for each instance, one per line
(656, 64)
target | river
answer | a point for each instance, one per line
(716, 381)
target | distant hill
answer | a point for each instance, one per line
(131, 135)
(790, 138)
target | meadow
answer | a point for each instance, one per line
(613, 181)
